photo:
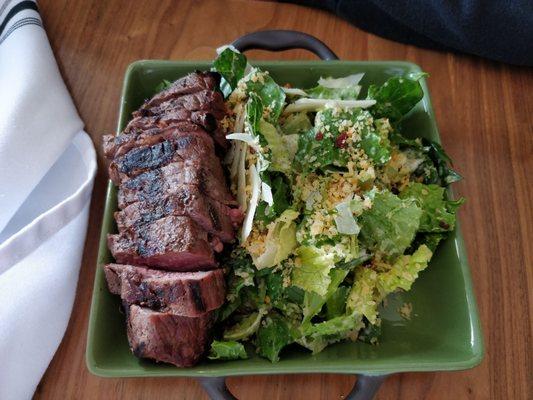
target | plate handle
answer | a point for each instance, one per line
(365, 387)
(279, 39)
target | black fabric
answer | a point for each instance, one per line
(24, 5)
(500, 30)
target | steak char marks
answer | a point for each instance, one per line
(175, 213)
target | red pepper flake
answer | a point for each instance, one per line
(340, 142)
(319, 136)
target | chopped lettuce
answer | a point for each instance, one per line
(311, 273)
(346, 88)
(441, 160)
(390, 225)
(271, 94)
(227, 350)
(241, 274)
(165, 84)
(313, 302)
(281, 199)
(246, 327)
(396, 97)
(403, 272)
(327, 183)
(438, 214)
(280, 240)
(362, 297)
(281, 160)
(296, 124)
(231, 65)
(325, 146)
(370, 287)
(336, 303)
(273, 335)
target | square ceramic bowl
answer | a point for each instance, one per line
(443, 333)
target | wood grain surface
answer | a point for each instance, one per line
(485, 115)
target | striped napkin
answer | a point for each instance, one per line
(47, 167)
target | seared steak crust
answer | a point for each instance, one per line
(170, 179)
(167, 337)
(173, 243)
(216, 218)
(185, 293)
(183, 146)
(192, 83)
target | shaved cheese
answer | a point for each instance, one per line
(341, 83)
(266, 193)
(345, 220)
(294, 92)
(255, 183)
(251, 140)
(241, 178)
(316, 104)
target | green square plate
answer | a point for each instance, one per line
(443, 333)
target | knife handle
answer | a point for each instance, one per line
(279, 39)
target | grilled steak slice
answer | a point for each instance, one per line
(185, 293)
(183, 120)
(192, 83)
(206, 100)
(169, 180)
(124, 143)
(184, 146)
(216, 218)
(172, 243)
(167, 337)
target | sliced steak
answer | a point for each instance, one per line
(170, 179)
(185, 293)
(216, 218)
(167, 337)
(206, 100)
(124, 143)
(192, 83)
(185, 146)
(172, 243)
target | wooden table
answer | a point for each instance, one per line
(485, 115)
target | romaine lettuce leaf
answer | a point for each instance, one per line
(271, 94)
(313, 302)
(403, 272)
(441, 160)
(227, 350)
(241, 274)
(438, 214)
(280, 196)
(370, 287)
(390, 225)
(336, 303)
(363, 299)
(311, 273)
(396, 97)
(273, 335)
(296, 124)
(231, 65)
(322, 146)
(165, 84)
(280, 240)
(280, 160)
(317, 336)
(246, 327)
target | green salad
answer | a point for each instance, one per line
(340, 208)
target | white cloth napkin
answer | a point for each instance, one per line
(47, 167)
